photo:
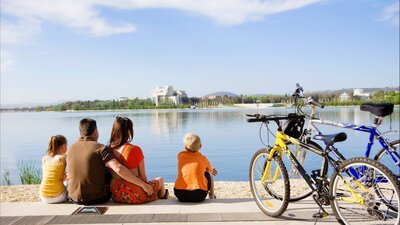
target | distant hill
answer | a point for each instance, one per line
(33, 105)
(221, 94)
(20, 106)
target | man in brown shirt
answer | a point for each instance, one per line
(87, 161)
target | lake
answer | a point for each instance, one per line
(228, 140)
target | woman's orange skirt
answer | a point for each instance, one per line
(128, 193)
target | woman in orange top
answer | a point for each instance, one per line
(195, 173)
(132, 157)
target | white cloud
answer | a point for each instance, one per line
(24, 19)
(18, 32)
(12, 35)
(80, 15)
(83, 15)
(229, 12)
(391, 14)
(6, 63)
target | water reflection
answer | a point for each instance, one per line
(352, 115)
(362, 117)
(346, 114)
(164, 123)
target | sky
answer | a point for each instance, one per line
(54, 51)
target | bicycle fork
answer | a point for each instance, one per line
(302, 172)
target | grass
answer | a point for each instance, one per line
(6, 178)
(28, 173)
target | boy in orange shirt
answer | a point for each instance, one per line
(195, 173)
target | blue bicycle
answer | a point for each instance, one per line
(389, 154)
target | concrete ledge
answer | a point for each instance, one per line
(156, 218)
(161, 211)
(159, 206)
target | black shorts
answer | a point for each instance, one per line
(197, 195)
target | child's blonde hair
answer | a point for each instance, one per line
(192, 142)
(55, 142)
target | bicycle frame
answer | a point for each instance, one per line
(281, 147)
(372, 130)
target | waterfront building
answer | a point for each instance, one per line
(167, 93)
(358, 92)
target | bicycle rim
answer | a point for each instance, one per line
(374, 200)
(383, 157)
(272, 197)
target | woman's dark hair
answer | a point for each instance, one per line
(55, 142)
(122, 132)
(87, 127)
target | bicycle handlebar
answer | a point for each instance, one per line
(266, 118)
(298, 93)
(255, 120)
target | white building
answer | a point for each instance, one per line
(344, 97)
(360, 93)
(168, 93)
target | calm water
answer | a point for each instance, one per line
(228, 140)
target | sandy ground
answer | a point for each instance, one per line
(29, 193)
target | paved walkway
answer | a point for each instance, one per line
(221, 211)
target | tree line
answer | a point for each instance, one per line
(109, 105)
(276, 100)
(377, 97)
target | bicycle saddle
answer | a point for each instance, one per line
(382, 109)
(330, 139)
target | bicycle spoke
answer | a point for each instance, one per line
(272, 196)
(373, 197)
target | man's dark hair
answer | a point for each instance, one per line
(87, 127)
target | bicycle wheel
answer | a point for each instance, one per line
(383, 157)
(272, 197)
(299, 188)
(357, 200)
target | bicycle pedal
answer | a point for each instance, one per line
(320, 215)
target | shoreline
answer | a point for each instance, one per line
(30, 193)
(235, 106)
(222, 189)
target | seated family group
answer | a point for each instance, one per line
(97, 172)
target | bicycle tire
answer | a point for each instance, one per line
(386, 160)
(299, 188)
(265, 194)
(371, 208)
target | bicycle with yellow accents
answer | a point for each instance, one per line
(360, 190)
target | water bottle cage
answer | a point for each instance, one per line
(315, 174)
